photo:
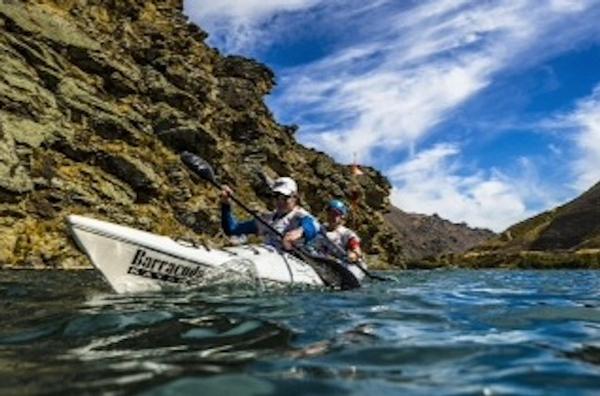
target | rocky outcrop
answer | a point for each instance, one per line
(430, 236)
(98, 98)
(564, 237)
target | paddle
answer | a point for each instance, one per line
(202, 169)
(360, 267)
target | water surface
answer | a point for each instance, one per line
(428, 332)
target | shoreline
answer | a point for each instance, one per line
(526, 259)
(480, 261)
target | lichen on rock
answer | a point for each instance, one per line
(97, 100)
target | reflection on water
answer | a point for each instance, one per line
(429, 332)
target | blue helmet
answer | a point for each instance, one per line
(339, 206)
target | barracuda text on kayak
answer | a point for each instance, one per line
(146, 265)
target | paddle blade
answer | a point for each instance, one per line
(199, 166)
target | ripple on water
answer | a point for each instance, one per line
(429, 332)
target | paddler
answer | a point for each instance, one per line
(336, 239)
(289, 218)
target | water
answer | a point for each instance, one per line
(430, 332)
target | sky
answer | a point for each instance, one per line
(484, 111)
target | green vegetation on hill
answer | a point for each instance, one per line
(565, 237)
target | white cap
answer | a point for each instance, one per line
(285, 186)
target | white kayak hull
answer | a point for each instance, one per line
(137, 261)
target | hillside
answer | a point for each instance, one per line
(566, 236)
(429, 236)
(97, 100)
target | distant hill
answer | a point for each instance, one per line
(573, 226)
(429, 236)
(566, 236)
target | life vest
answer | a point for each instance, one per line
(342, 237)
(283, 224)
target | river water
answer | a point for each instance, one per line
(449, 332)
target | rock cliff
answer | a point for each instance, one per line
(97, 100)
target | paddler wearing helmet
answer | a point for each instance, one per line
(335, 238)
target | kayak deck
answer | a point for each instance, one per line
(132, 260)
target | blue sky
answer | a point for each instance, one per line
(484, 111)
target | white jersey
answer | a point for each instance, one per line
(283, 224)
(340, 237)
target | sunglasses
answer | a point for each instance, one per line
(280, 196)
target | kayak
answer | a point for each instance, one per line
(134, 261)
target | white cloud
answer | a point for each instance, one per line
(396, 73)
(388, 110)
(583, 127)
(431, 182)
(408, 72)
(251, 10)
(236, 25)
(568, 5)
